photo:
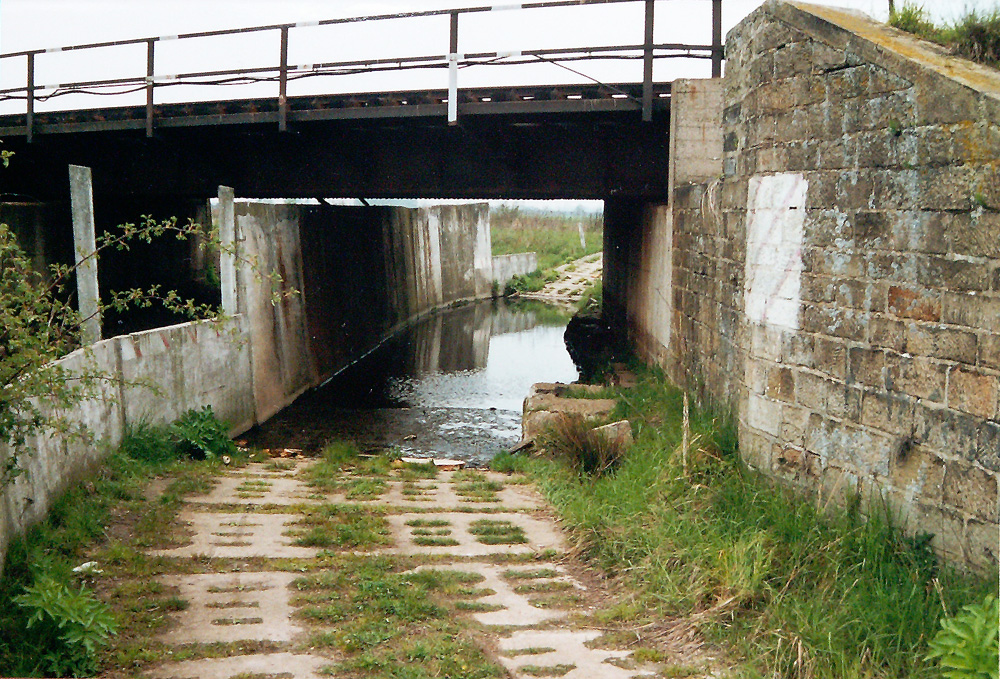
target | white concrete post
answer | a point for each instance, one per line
(85, 243)
(227, 259)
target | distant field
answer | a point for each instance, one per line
(554, 236)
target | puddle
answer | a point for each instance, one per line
(449, 385)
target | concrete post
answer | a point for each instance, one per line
(227, 239)
(85, 243)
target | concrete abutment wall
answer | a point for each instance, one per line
(830, 268)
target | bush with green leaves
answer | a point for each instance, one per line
(200, 434)
(966, 646)
(68, 627)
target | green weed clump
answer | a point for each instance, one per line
(797, 588)
(975, 35)
(966, 646)
(67, 627)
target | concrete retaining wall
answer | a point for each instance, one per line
(349, 278)
(836, 278)
(181, 367)
(506, 267)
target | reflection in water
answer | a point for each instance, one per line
(451, 384)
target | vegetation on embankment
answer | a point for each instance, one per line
(975, 35)
(795, 586)
(554, 236)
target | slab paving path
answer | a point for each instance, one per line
(527, 611)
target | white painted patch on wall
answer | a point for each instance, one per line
(776, 214)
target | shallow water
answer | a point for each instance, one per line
(449, 385)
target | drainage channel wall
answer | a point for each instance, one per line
(349, 277)
(828, 265)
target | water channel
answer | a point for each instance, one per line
(451, 384)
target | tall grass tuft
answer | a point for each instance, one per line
(574, 440)
(798, 590)
(975, 35)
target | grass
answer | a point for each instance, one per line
(341, 526)
(975, 35)
(554, 245)
(797, 590)
(491, 532)
(389, 624)
(478, 489)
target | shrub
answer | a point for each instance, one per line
(966, 645)
(199, 434)
(68, 627)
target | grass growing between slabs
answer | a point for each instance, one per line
(798, 587)
(388, 623)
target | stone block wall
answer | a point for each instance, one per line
(835, 277)
(865, 169)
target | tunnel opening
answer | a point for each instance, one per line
(449, 378)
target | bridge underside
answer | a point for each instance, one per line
(576, 147)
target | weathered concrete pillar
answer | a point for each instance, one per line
(85, 244)
(228, 257)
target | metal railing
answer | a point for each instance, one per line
(284, 72)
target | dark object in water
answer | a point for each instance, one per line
(590, 344)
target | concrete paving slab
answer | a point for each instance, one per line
(570, 649)
(232, 607)
(285, 665)
(256, 489)
(238, 536)
(541, 534)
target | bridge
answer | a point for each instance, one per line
(590, 139)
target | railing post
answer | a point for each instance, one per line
(453, 71)
(150, 48)
(647, 65)
(29, 118)
(283, 83)
(716, 38)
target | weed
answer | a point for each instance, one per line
(339, 454)
(966, 645)
(549, 586)
(341, 526)
(558, 600)
(365, 489)
(490, 532)
(547, 670)
(479, 490)
(67, 627)
(200, 435)
(414, 470)
(431, 541)
(508, 463)
(975, 35)
(573, 439)
(533, 650)
(477, 607)
(144, 442)
(428, 523)
(532, 574)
